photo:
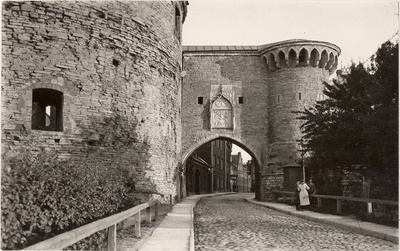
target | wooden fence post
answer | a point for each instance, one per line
(339, 206)
(319, 202)
(148, 215)
(112, 238)
(369, 207)
(137, 225)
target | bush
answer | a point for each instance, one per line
(43, 197)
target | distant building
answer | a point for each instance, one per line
(198, 175)
(240, 176)
(215, 157)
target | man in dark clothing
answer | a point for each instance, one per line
(296, 196)
(312, 190)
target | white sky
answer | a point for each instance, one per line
(357, 27)
(245, 156)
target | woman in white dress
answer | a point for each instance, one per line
(303, 194)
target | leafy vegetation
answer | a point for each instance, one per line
(358, 122)
(43, 197)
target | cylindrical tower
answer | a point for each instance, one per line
(99, 81)
(296, 70)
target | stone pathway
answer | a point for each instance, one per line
(229, 223)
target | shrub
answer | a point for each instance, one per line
(43, 197)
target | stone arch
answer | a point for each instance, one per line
(281, 60)
(292, 58)
(264, 59)
(314, 59)
(303, 57)
(334, 65)
(227, 137)
(221, 114)
(324, 59)
(271, 62)
(330, 61)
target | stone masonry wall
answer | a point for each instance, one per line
(284, 129)
(118, 67)
(246, 75)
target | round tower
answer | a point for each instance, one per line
(98, 81)
(295, 71)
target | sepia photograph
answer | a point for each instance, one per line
(200, 125)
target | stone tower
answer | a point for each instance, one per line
(295, 70)
(98, 81)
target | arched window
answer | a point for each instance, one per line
(47, 110)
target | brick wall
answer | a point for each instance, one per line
(118, 67)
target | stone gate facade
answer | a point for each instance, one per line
(247, 94)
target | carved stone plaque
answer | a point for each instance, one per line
(221, 114)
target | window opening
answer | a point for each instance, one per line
(299, 95)
(200, 100)
(47, 110)
(240, 100)
(278, 98)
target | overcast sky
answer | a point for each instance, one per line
(357, 27)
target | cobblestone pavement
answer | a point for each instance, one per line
(230, 223)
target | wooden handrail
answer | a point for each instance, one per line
(339, 200)
(68, 238)
(386, 202)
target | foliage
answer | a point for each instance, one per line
(358, 122)
(43, 197)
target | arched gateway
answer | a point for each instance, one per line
(247, 95)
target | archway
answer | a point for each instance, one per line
(207, 158)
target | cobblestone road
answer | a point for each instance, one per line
(230, 223)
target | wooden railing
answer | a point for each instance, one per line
(68, 238)
(338, 199)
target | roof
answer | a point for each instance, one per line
(230, 48)
(253, 48)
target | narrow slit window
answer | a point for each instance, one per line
(278, 98)
(240, 100)
(47, 111)
(200, 100)
(299, 95)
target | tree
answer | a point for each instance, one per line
(358, 123)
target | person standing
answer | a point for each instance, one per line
(312, 190)
(296, 196)
(303, 194)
